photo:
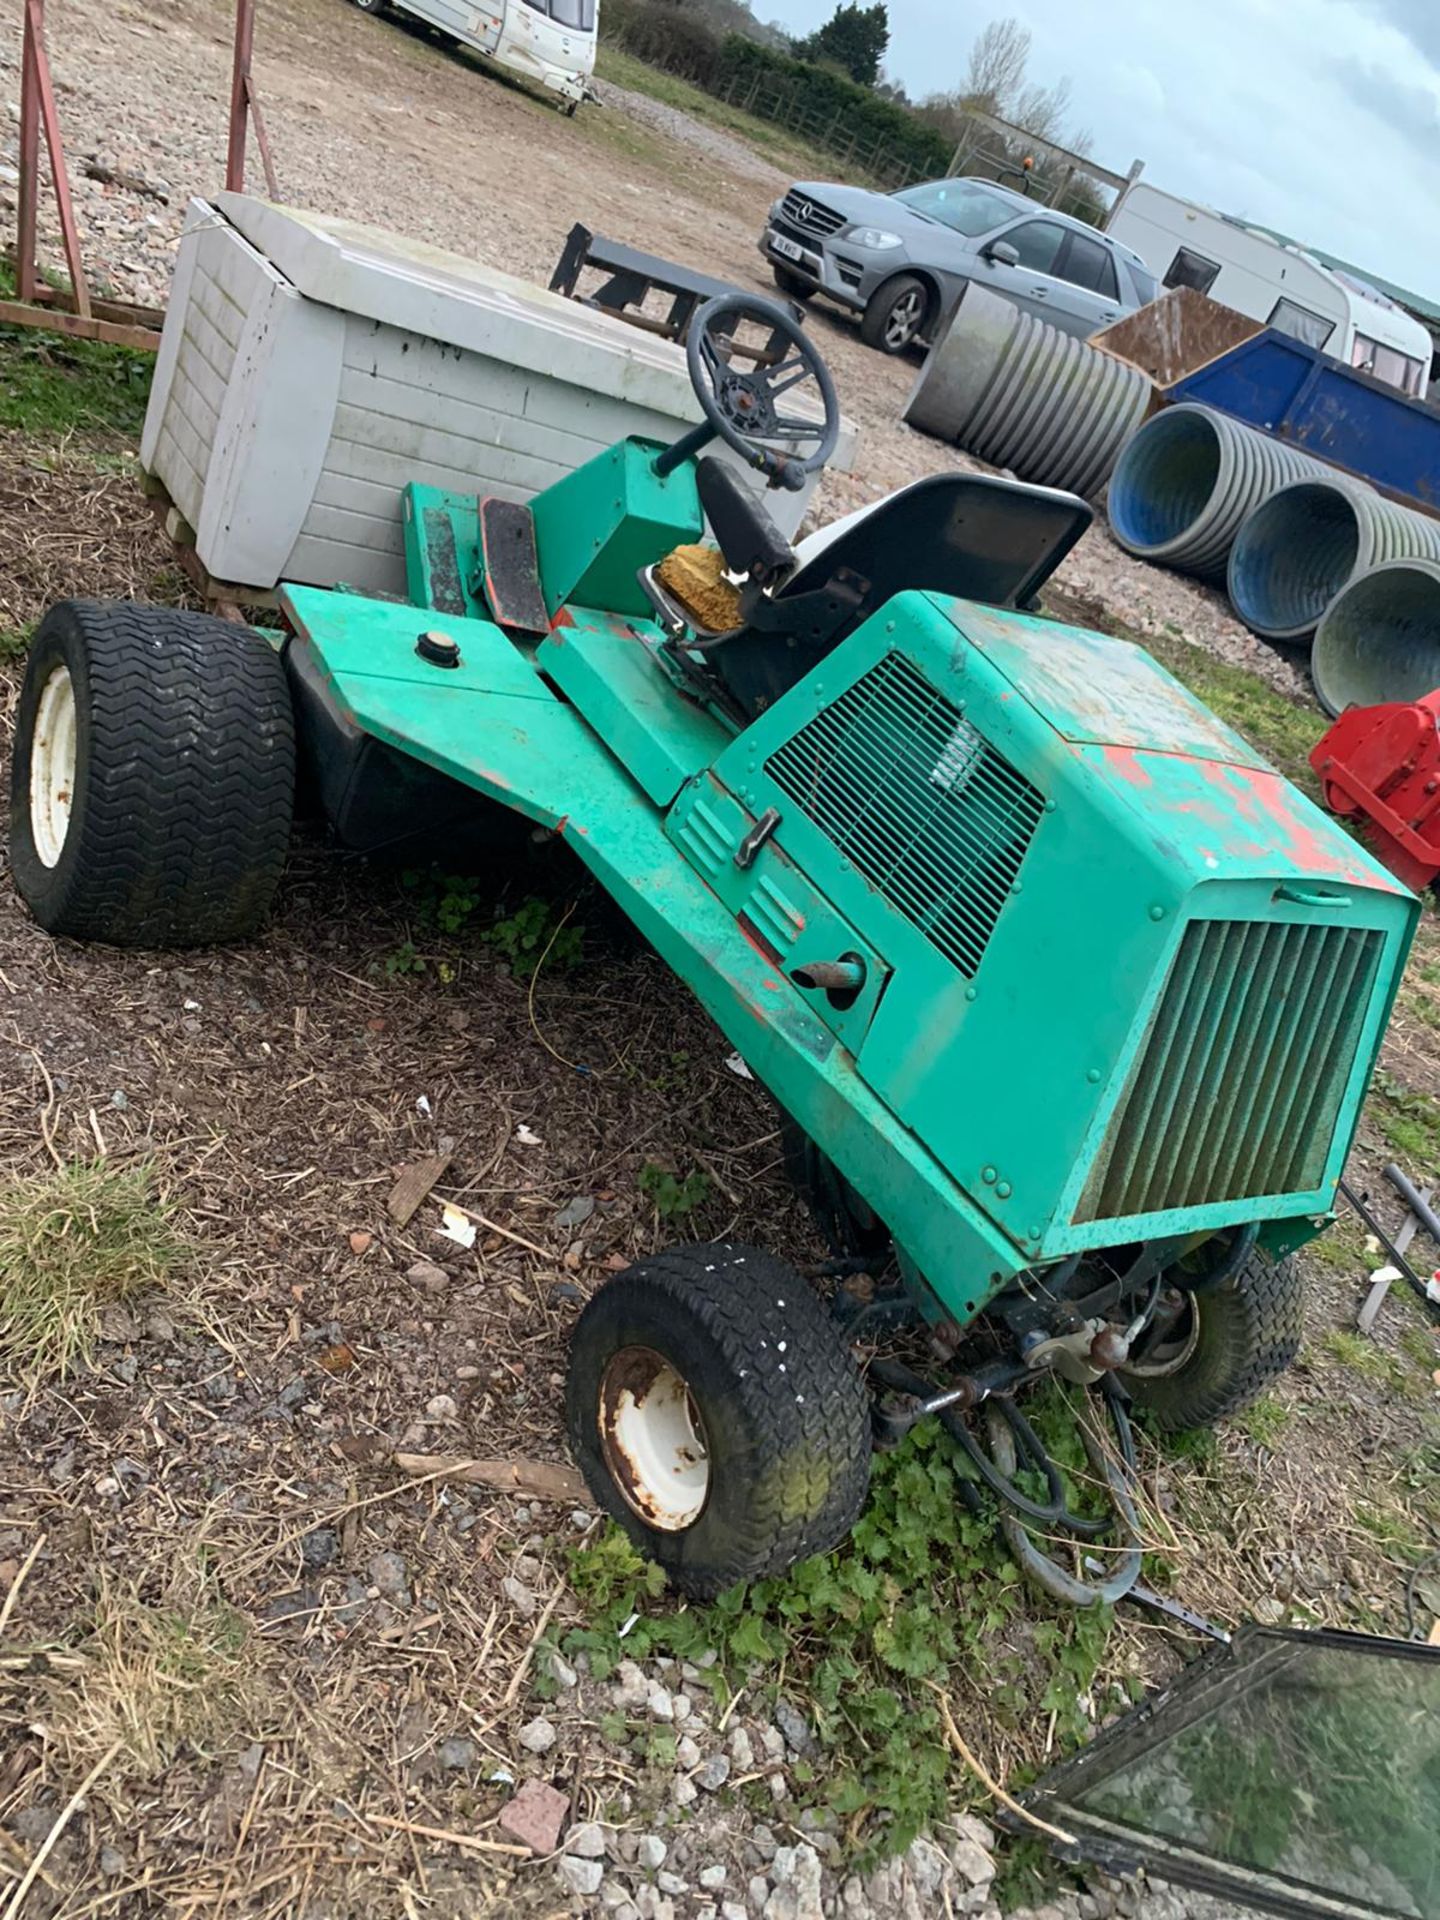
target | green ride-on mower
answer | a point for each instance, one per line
(1068, 1000)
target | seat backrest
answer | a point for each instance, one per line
(744, 532)
(971, 536)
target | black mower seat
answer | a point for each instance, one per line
(744, 532)
(969, 535)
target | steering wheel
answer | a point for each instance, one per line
(743, 407)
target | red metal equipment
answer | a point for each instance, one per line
(77, 311)
(1381, 766)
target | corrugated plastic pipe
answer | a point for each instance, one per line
(1186, 480)
(1021, 395)
(1380, 638)
(1307, 542)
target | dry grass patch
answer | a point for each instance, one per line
(88, 1235)
(158, 1670)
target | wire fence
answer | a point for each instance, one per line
(1069, 184)
(858, 150)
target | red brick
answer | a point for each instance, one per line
(537, 1815)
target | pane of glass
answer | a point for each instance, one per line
(1300, 323)
(1396, 369)
(1087, 264)
(1309, 1761)
(961, 204)
(1146, 285)
(1407, 371)
(579, 14)
(1189, 269)
(1037, 242)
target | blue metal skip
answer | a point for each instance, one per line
(1328, 410)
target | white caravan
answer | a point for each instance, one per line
(1253, 273)
(551, 42)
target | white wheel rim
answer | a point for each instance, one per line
(52, 766)
(653, 1439)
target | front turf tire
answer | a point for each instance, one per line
(756, 1410)
(153, 776)
(1242, 1338)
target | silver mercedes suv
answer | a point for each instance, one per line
(900, 259)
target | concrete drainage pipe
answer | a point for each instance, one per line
(1021, 395)
(1299, 548)
(1380, 638)
(1184, 483)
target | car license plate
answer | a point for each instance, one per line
(788, 249)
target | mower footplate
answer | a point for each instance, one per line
(512, 568)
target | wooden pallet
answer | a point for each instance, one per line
(223, 598)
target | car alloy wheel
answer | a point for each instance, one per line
(904, 320)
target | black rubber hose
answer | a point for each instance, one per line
(1413, 1199)
(1047, 1572)
(1407, 1272)
(1057, 1513)
(1226, 1268)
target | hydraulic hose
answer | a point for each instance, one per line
(1047, 1572)
(1054, 1513)
(1225, 1268)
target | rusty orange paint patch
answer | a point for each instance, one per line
(755, 939)
(1266, 803)
(1126, 765)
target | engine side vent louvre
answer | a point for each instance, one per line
(918, 801)
(1236, 1090)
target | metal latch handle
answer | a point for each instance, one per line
(755, 839)
(1303, 897)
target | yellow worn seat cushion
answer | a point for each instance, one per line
(695, 577)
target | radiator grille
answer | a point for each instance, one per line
(1238, 1085)
(810, 215)
(920, 803)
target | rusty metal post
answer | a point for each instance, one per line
(262, 140)
(245, 106)
(37, 106)
(28, 217)
(240, 95)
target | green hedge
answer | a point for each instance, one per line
(662, 35)
(820, 94)
(817, 102)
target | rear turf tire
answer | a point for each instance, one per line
(897, 315)
(1240, 1340)
(848, 1225)
(759, 1420)
(153, 776)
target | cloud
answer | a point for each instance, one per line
(1417, 20)
(1412, 112)
(1316, 117)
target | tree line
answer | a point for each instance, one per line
(698, 40)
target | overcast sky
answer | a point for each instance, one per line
(1318, 117)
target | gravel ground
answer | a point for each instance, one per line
(741, 162)
(281, 1085)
